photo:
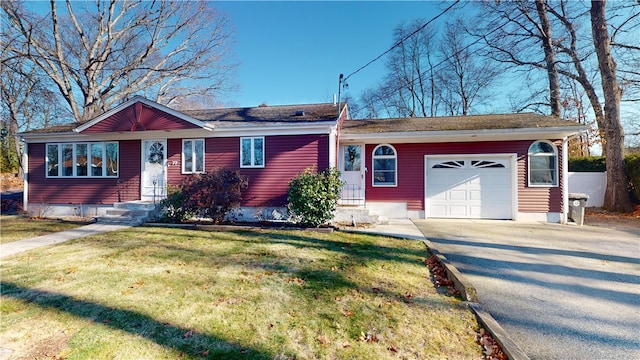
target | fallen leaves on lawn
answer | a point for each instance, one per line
(440, 277)
(292, 280)
(490, 348)
(324, 340)
(132, 287)
(369, 337)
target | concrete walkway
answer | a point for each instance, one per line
(16, 247)
(400, 228)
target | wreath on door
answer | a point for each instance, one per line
(156, 153)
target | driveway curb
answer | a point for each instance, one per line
(469, 293)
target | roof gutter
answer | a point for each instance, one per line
(463, 135)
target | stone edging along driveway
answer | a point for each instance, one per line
(560, 291)
(469, 293)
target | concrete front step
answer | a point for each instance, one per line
(125, 212)
(120, 220)
(356, 216)
(129, 213)
(135, 205)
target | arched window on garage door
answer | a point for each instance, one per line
(543, 164)
(385, 166)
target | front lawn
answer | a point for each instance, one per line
(150, 293)
(19, 227)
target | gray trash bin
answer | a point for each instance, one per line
(577, 203)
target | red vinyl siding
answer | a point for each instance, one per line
(285, 157)
(410, 187)
(538, 199)
(139, 117)
(78, 190)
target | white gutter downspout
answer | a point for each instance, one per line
(332, 146)
(25, 175)
(565, 177)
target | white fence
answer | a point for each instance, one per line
(590, 183)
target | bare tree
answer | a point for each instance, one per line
(521, 28)
(549, 57)
(430, 75)
(410, 71)
(616, 197)
(26, 100)
(464, 78)
(99, 54)
(575, 107)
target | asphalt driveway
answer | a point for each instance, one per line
(560, 291)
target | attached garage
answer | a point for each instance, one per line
(472, 186)
(474, 167)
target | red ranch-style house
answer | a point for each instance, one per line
(510, 166)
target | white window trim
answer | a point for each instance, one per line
(253, 138)
(373, 166)
(74, 174)
(556, 168)
(193, 156)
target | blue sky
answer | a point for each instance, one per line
(293, 52)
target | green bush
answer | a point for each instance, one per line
(213, 194)
(632, 167)
(313, 196)
(173, 210)
(587, 164)
(8, 156)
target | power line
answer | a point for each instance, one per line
(479, 39)
(401, 41)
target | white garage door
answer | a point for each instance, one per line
(469, 187)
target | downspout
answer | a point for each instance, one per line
(565, 177)
(332, 146)
(25, 175)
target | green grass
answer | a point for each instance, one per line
(155, 293)
(19, 227)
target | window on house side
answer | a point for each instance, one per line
(252, 152)
(384, 166)
(53, 160)
(543, 164)
(193, 156)
(82, 159)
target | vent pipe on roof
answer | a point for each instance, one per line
(299, 112)
(339, 88)
(335, 101)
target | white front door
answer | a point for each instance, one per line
(352, 169)
(154, 176)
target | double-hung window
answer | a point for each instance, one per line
(192, 156)
(252, 152)
(95, 159)
(543, 164)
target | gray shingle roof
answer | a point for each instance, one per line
(267, 113)
(452, 123)
(304, 113)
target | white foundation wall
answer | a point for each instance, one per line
(66, 210)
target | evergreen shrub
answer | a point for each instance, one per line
(313, 196)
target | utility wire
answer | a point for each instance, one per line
(481, 38)
(401, 41)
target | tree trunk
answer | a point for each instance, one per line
(549, 59)
(616, 197)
